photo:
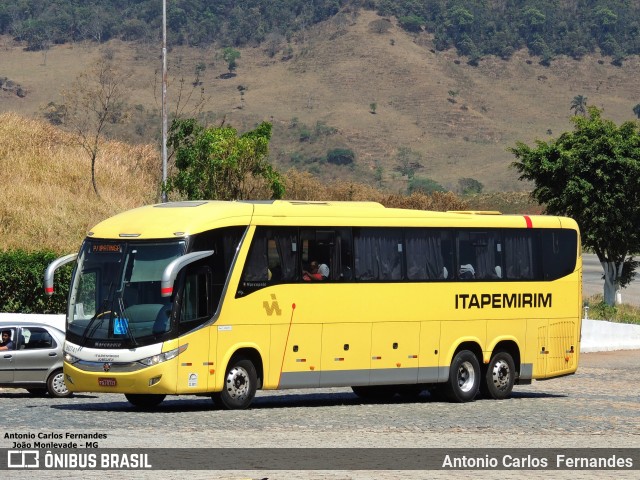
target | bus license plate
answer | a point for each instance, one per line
(107, 382)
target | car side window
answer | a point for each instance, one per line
(36, 338)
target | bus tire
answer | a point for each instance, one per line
(240, 383)
(499, 377)
(144, 400)
(56, 386)
(464, 378)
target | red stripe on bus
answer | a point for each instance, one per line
(166, 290)
(528, 220)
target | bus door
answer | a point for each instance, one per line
(195, 371)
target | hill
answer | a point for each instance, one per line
(47, 200)
(345, 84)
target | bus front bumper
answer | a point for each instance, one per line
(157, 379)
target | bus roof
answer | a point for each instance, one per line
(180, 219)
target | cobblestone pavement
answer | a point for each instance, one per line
(597, 407)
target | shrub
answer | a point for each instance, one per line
(424, 185)
(340, 156)
(21, 277)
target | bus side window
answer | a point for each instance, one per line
(378, 254)
(518, 255)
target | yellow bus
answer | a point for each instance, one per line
(224, 298)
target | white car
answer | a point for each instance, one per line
(35, 361)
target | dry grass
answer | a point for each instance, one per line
(337, 70)
(303, 186)
(47, 201)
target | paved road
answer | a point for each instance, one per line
(593, 283)
(597, 407)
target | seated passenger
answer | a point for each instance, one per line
(312, 275)
(323, 269)
(467, 272)
(6, 343)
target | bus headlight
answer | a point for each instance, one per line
(70, 358)
(163, 357)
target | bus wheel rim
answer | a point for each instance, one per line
(501, 374)
(237, 383)
(466, 376)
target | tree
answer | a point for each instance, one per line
(216, 163)
(230, 55)
(579, 105)
(592, 174)
(96, 100)
(408, 162)
(470, 186)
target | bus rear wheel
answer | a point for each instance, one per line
(464, 377)
(240, 382)
(499, 377)
(144, 401)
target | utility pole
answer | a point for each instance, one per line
(164, 100)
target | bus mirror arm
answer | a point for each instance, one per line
(171, 271)
(51, 270)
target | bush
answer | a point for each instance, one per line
(340, 156)
(424, 185)
(21, 280)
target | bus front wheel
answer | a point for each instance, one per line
(499, 377)
(464, 377)
(144, 400)
(240, 384)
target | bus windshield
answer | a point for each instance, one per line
(115, 294)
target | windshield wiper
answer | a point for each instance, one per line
(128, 325)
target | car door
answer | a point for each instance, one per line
(7, 365)
(37, 352)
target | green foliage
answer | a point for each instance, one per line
(579, 105)
(411, 23)
(592, 174)
(341, 156)
(408, 162)
(600, 310)
(230, 55)
(493, 28)
(216, 163)
(470, 186)
(424, 185)
(307, 134)
(21, 280)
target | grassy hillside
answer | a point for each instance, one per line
(47, 201)
(459, 119)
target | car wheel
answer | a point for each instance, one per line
(56, 386)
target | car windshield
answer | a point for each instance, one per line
(115, 295)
